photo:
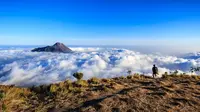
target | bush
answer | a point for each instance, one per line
(94, 80)
(165, 76)
(122, 77)
(4, 108)
(175, 73)
(129, 77)
(105, 80)
(44, 88)
(78, 75)
(54, 88)
(105, 88)
(68, 82)
(81, 83)
(1, 95)
(195, 77)
(136, 75)
(76, 90)
(36, 89)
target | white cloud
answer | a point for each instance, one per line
(85, 49)
(25, 68)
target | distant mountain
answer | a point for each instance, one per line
(57, 47)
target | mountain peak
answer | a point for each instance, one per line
(57, 47)
(58, 43)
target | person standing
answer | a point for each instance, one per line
(155, 71)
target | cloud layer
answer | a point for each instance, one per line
(24, 68)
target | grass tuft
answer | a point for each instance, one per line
(81, 83)
(94, 80)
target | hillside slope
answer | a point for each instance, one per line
(123, 94)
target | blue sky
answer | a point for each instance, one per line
(100, 22)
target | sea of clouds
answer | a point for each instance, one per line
(25, 68)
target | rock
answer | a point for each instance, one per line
(57, 47)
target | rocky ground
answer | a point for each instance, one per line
(134, 93)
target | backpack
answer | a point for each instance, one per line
(156, 70)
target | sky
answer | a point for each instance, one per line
(100, 22)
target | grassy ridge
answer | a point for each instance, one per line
(126, 94)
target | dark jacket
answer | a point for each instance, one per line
(155, 70)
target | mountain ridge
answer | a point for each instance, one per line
(57, 47)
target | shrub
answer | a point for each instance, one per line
(122, 77)
(4, 108)
(106, 80)
(137, 76)
(68, 82)
(164, 76)
(129, 77)
(105, 88)
(76, 90)
(173, 75)
(61, 84)
(175, 72)
(1, 95)
(44, 88)
(78, 75)
(195, 77)
(94, 80)
(36, 89)
(81, 83)
(53, 88)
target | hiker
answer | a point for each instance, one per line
(155, 71)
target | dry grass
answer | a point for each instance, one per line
(171, 93)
